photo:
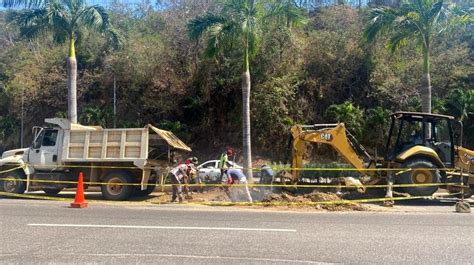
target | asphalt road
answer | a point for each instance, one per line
(48, 231)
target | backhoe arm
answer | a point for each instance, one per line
(332, 134)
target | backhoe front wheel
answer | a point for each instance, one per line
(422, 172)
(117, 187)
(13, 182)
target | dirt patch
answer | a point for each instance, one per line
(315, 200)
(318, 200)
(210, 195)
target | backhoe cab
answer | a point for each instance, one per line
(423, 143)
(430, 145)
(426, 136)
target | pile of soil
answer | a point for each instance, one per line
(328, 201)
(209, 195)
(314, 200)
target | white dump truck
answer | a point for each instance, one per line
(110, 158)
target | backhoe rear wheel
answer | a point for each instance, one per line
(423, 172)
(13, 182)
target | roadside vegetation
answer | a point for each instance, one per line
(183, 65)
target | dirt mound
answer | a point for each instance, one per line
(319, 200)
(322, 196)
(314, 200)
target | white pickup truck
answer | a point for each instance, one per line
(108, 158)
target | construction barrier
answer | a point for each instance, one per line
(163, 183)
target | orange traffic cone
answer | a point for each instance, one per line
(79, 200)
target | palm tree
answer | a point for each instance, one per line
(237, 27)
(65, 19)
(419, 21)
(460, 102)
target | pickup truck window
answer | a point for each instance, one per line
(49, 138)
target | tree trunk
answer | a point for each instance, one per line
(426, 89)
(246, 112)
(246, 125)
(426, 84)
(71, 83)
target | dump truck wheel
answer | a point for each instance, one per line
(424, 172)
(116, 188)
(13, 182)
(142, 193)
(149, 189)
(52, 191)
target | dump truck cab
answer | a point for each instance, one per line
(45, 148)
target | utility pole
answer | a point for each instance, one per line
(115, 102)
(22, 119)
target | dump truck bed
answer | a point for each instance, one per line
(106, 144)
(96, 144)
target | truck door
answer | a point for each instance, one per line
(44, 150)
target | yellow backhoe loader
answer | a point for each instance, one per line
(421, 143)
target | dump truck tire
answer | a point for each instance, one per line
(115, 189)
(52, 191)
(13, 182)
(152, 184)
(424, 172)
(142, 193)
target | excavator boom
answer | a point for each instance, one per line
(335, 135)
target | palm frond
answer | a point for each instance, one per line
(73, 5)
(23, 3)
(33, 23)
(95, 16)
(200, 25)
(114, 38)
(399, 40)
(435, 10)
(212, 47)
(60, 36)
(286, 12)
(60, 19)
(381, 20)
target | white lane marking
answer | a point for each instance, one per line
(208, 257)
(167, 227)
(182, 256)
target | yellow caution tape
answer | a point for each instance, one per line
(257, 169)
(243, 185)
(217, 203)
(11, 169)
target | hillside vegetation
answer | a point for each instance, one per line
(322, 71)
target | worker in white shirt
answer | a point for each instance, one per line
(177, 175)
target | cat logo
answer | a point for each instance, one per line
(469, 157)
(326, 137)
